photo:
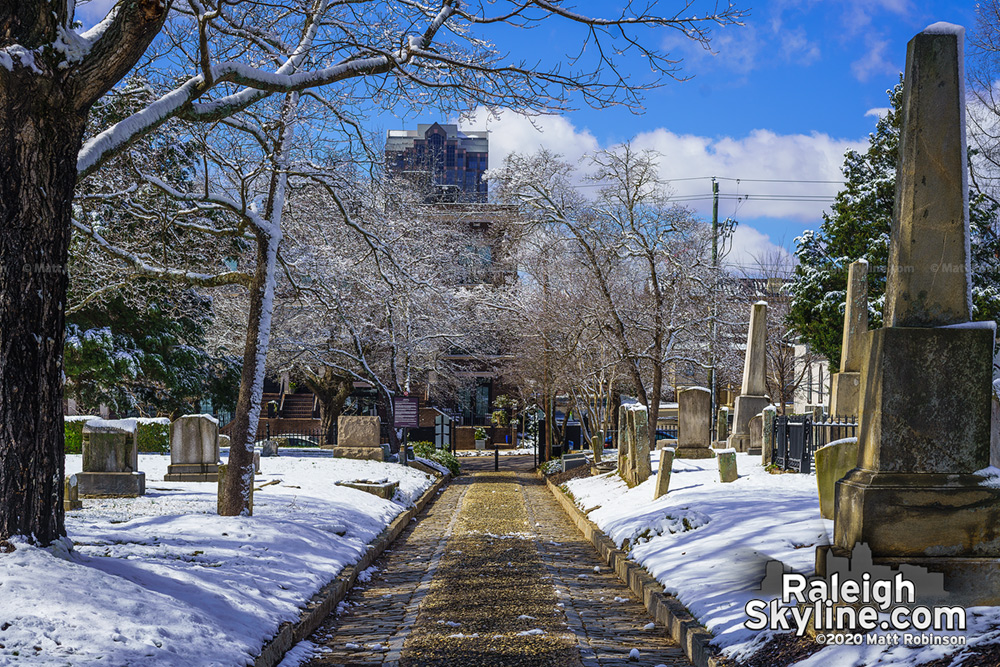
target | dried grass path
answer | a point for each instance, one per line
(493, 573)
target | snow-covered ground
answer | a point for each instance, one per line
(708, 543)
(163, 580)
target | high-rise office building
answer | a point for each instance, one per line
(442, 158)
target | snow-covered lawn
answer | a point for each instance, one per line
(163, 580)
(708, 543)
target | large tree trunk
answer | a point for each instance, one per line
(40, 138)
(332, 391)
(44, 102)
(239, 474)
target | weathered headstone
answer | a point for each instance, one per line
(915, 496)
(639, 446)
(756, 435)
(845, 388)
(573, 460)
(224, 441)
(359, 438)
(221, 490)
(722, 425)
(753, 393)
(727, 465)
(194, 449)
(769, 414)
(995, 428)
(663, 473)
(634, 466)
(269, 448)
(694, 424)
(110, 460)
(833, 462)
(256, 462)
(597, 447)
(384, 490)
(622, 440)
(71, 494)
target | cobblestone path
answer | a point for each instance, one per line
(493, 573)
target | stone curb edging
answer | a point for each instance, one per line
(693, 637)
(323, 602)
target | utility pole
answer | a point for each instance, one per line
(715, 279)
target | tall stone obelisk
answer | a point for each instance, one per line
(845, 390)
(753, 393)
(915, 496)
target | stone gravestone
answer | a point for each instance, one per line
(71, 494)
(995, 428)
(634, 466)
(846, 385)
(694, 424)
(663, 473)
(727, 465)
(256, 463)
(769, 414)
(597, 447)
(269, 448)
(359, 438)
(194, 449)
(753, 393)
(914, 496)
(832, 463)
(722, 426)
(756, 435)
(224, 441)
(622, 440)
(641, 468)
(110, 460)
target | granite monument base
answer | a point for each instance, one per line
(111, 484)
(192, 472)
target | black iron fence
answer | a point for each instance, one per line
(797, 437)
(296, 437)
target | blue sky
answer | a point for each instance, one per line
(781, 99)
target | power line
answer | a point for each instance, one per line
(729, 178)
(776, 180)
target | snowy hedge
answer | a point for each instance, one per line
(73, 430)
(153, 436)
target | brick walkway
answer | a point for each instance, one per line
(493, 573)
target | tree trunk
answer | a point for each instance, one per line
(653, 407)
(40, 135)
(332, 391)
(239, 473)
(550, 424)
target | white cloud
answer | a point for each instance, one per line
(798, 48)
(750, 247)
(760, 156)
(878, 112)
(512, 132)
(874, 62)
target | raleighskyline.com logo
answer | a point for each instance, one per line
(858, 603)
